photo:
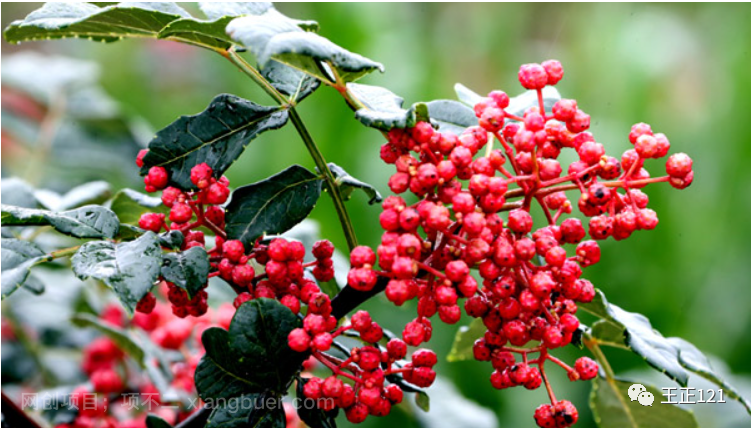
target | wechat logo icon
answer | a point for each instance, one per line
(638, 392)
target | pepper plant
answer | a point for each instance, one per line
(485, 228)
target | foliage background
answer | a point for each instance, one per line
(682, 68)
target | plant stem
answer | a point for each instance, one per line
(323, 168)
(302, 130)
(600, 357)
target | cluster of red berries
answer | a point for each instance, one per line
(530, 283)
(104, 403)
(366, 367)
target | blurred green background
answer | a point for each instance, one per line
(685, 69)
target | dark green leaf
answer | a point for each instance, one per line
(129, 268)
(451, 116)
(273, 36)
(94, 192)
(383, 109)
(249, 410)
(116, 334)
(86, 222)
(612, 408)
(290, 81)
(466, 95)
(216, 136)
(694, 360)
(312, 415)
(348, 184)
(130, 205)
(223, 372)
(17, 259)
(171, 239)
(188, 270)
(154, 421)
(273, 205)
(640, 337)
(465, 339)
(259, 331)
(608, 333)
(85, 20)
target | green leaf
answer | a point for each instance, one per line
(188, 269)
(451, 116)
(259, 331)
(17, 192)
(694, 360)
(85, 20)
(93, 192)
(129, 205)
(253, 357)
(154, 421)
(17, 259)
(612, 408)
(91, 221)
(222, 372)
(249, 410)
(465, 339)
(116, 334)
(218, 9)
(129, 268)
(348, 184)
(383, 109)
(466, 95)
(422, 399)
(273, 36)
(171, 239)
(273, 205)
(289, 81)
(312, 415)
(216, 136)
(640, 337)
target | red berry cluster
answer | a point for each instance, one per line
(530, 281)
(366, 367)
(104, 401)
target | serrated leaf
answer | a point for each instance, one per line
(129, 268)
(253, 356)
(312, 415)
(116, 334)
(217, 136)
(218, 9)
(466, 95)
(348, 184)
(273, 36)
(612, 408)
(383, 109)
(451, 116)
(93, 192)
(640, 337)
(91, 221)
(694, 360)
(222, 372)
(259, 331)
(17, 259)
(203, 33)
(154, 421)
(129, 205)
(289, 81)
(188, 269)
(273, 205)
(464, 340)
(86, 20)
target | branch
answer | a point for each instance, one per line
(348, 299)
(197, 420)
(14, 416)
